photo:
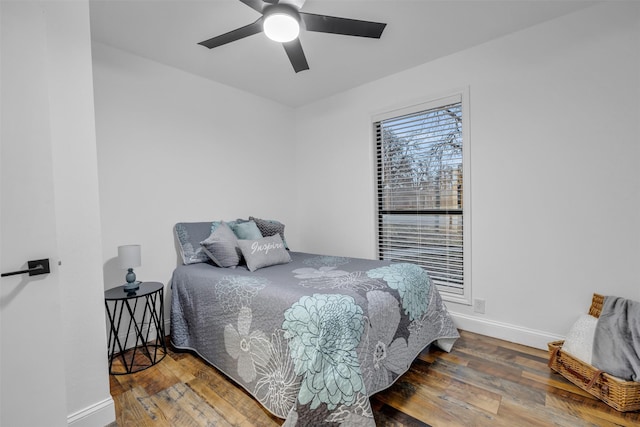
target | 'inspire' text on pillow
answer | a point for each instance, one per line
(257, 247)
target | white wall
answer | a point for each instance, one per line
(174, 147)
(554, 134)
(73, 140)
(53, 358)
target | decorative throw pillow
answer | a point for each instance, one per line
(579, 341)
(264, 252)
(246, 230)
(222, 246)
(189, 236)
(216, 224)
(269, 227)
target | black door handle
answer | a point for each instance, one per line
(36, 267)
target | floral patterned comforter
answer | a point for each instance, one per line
(313, 339)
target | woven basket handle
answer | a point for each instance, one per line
(553, 357)
(594, 379)
(589, 382)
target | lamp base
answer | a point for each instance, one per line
(134, 286)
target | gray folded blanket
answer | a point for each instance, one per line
(616, 344)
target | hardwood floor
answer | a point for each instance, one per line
(482, 382)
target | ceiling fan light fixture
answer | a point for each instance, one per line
(281, 27)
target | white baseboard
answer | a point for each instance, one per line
(97, 415)
(505, 331)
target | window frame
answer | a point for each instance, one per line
(454, 96)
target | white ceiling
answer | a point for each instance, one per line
(418, 31)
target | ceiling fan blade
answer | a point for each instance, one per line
(296, 55)
(345, 26)
(231, 36)
(257, 5)
(296, 3)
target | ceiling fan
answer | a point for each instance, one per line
(281, 21)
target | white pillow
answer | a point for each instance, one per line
(579, 341)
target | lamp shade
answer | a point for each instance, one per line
(129, 256)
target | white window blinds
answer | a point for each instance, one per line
(420, 191)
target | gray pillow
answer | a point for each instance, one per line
(269, 227)
(264, 252)
(189, 236)
(246, 230)
(222, 246)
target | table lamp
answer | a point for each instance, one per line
(129, 257)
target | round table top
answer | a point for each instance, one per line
(145, 288)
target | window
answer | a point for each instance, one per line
(422, 196)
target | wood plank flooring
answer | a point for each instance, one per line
(482, 382)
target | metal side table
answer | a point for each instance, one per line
(146, 322)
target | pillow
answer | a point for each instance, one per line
(222, 246)
(264, 252)
(246, 230)
(579, 341)
(269, 227)
(189, 236)
(216, 224)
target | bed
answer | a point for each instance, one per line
(311, 337)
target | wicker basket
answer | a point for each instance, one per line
(621, 395)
